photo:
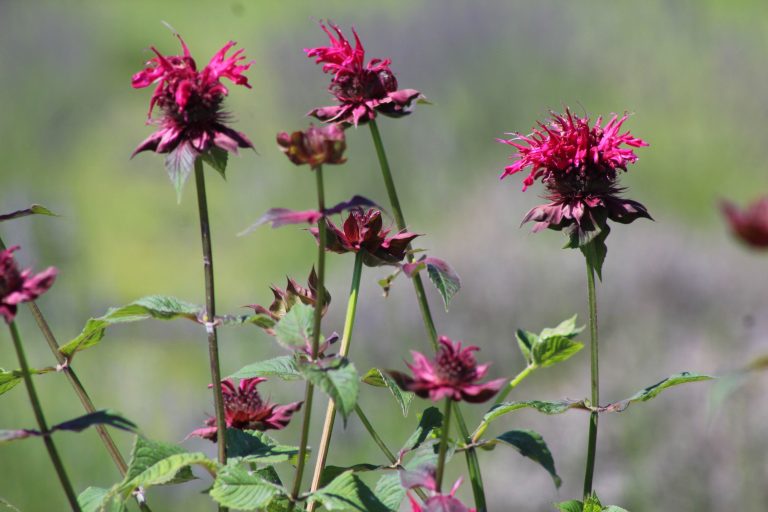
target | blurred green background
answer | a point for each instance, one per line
(679, 293)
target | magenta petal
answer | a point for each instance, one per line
(281, 416)
(482, 392)
(208, 433)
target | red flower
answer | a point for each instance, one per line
(361, 89)
(244, 409)
(749, 225)
(191, 101)
(363, 232)
(17, 287)
(314, 146)
(578, 165)
(453, 374)
(424, 476)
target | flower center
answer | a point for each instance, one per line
(454, 368)
(364, 85)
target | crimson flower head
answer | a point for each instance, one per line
(20, 286)
(362, 89)
(314, 146)
(424, 476)
(453, 374)
(363, 231)
(245, 409)
(192, 121)
(751, 224)
(578, 163)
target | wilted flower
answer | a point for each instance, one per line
(424, 476)
(314, 146)
(191, 100)
(293, 293)
(453, 374)
(363, 232)
(578, 165)
(17, 287)
(361, 89)
(751, 224)
(244, 409)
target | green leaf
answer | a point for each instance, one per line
(146, 453)
(348, 492)
(653, 391)
(526, 340)
(35, 209)
(613, 508)
(238, 488)
(166, 471)
(179, 164)
(556, 407)
(93, 500)
(283, 367)
(331, 472)
(530, 444)
(217, 159)
(389, 488)
(296, 327)
(570, 506)
(431, 419)
(153, 306)
(554, 349)
(378, 378)
(593, 504)
(445, 279)
(595, 250)
(255, 446)
(338, 379)
(566, 328)
(9, 379)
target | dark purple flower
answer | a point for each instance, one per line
(361, 89)
(20, 286)
(245, 409)
(363, 231)
(751, 224)
(191, 101)
(424, 476)
(578, 165)
(293, 293)
(314, 146)
(453, 374)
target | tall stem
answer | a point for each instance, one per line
(472, 462)
(594, 373)
(443, 444)
(330, 412)
(319, 305)
(210, 312)
(42, 425)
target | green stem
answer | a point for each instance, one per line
(594, 374)
(330, 412)
(429, 323)
(375, 436)
(41, 423)
(210, 312)
(480, 430)
(443, 444)
(319, 304)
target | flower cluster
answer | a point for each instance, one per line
(361, 89)
(363, 231)
(314, 146)
(191, 101)
(424, 476)
(244, 409)
(20, 286)
(578, 163)
(751, 224)
(453, 374)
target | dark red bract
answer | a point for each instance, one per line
(361, 89)
(453, 374)
(750, 225)
(20, 286)
(245, 409)
(191, 101)
(314, 146)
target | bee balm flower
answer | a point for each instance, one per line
(361, 89)
(20, 286)
(314, 146)
(751, 224)
(453, 374)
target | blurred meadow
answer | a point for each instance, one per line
(678, 293)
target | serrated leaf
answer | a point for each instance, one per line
(378, 378)
(570, 506)
(331, 472)
(566, 328)
(255, 446)
(296, 327)
(526, 340)
(153, 306)
(283, 367)
(146, 453)
(348, 492)
(430, 420)
(592, 504)
(554, 349)
(546, 407)
(179, 164)
(35, 209)
(92, 500)
(238, 488)
(217, 159)
(530, 444)
(9, 379)
(445, 279)
(338, 379)
(166, 471)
